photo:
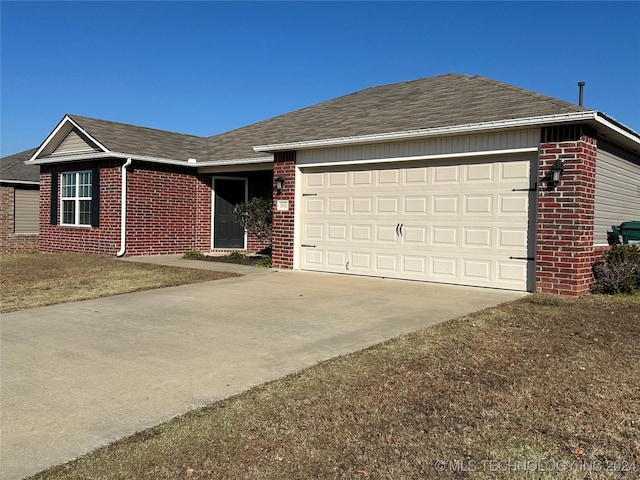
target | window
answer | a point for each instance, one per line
(76, 198)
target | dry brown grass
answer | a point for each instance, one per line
(542, 379)
(45, 279)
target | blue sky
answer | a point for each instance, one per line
(208, 67)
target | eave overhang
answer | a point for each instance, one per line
(614, 130)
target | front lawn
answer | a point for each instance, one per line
(36, 280)
(543, 387)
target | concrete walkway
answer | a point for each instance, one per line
(77, 376)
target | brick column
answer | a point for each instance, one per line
(565, 226)
(284, 164)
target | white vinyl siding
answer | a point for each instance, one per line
(617, 196)
(462, 144)
(26, 208)
(73, 143)
(76, 198)
(460, 222)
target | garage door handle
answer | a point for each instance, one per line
(400, 229)
(522, 258)
(308, 246)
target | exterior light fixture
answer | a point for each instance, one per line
(279, 183)
(557, 169)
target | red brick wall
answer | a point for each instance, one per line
(565, 250)
(9, 241)
(168, 211)
(104, 239)
(284, 164)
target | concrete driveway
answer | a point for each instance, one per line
(80, 375)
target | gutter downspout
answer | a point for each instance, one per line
(123, 210)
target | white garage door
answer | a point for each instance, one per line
(464, 224)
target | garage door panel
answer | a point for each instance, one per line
(511, 172)
(414, 266)
(415, 205)
(338, 179)
(362, 179)
(314, 205)
(361, 262)
(482, 173)
(416, 176)
(388, 205)
(444, 267)
(362, 233)
(478, 205)
(512, 271)
(444, 236)
(337, 232)
(444, 223)
(386, 234)
(388, 178)
(362, 205)
(448, 175)
(445, 204)
(477, 237)
(513, 205)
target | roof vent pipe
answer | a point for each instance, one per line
(581, 93)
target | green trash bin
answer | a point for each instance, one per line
(630, 232)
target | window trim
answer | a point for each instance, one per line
(76, 198)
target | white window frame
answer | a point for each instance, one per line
(76, 198)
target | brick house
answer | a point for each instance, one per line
(452, 179)
(19, 184)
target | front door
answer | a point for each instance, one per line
(227, 230)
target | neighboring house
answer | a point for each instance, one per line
(19, 204)
(444, 179)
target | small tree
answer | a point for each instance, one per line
(256, 217)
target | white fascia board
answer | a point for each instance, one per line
(103, 155)
(620, 131)
(65, 120)
(19, 182)
(439, 156)
(144, 158)
(237, 161)
(429, 132)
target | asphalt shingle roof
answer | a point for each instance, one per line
(13, 168)
(441, 101)
(123, 138)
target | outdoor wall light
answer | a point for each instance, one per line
(557, 169)
(279, 183)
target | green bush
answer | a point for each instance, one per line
(265, 262)
(193, 255)
(618, 271)
(256, 217)
(237, 256)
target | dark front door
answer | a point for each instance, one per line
(227, 230)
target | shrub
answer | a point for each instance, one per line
(237, 256)
(256, 216)
(193, 255)
(618, 271)
(265, 262)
